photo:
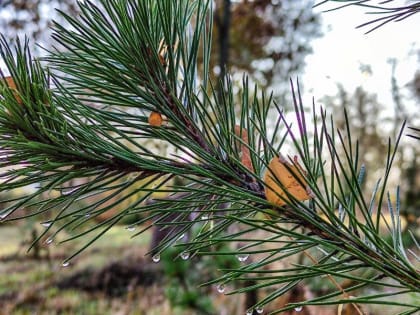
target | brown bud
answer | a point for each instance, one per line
(155, 119)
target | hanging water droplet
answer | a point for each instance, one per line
(49, 240)
(185, 255)
(259, 310)
(249, 312)
(4, 215)
(242, 257)
(65, 263)
(46, 223)
(68, 191)
(87, 215)
(221, 288)
(130, 228)
(298, 308)
(156, 258)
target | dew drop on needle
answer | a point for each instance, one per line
(49, 241)
(185, 255)
(221, 288)
(156, 258)
(242, 257)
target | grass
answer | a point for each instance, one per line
(29, 285)
(113, 276)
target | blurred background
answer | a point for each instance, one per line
(375, 76)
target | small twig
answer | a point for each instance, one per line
(333, 281)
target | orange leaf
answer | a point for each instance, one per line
(289, 177)
(162, 60)
(155, 119)
(12, 85)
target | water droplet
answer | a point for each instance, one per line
(205, 216)
(249, 312)
(242, 257)
(65, 263)
(130, 228)
(133, 175)
(298, 308)
(156, 258)
(221, 288)
(49, 240)
(68, 191)
(46, 223)
(87, 215)
(259, 310)
(181, 236)
(185, 255)
(4, 215)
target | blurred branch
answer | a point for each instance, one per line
(384, 9)
(416, 134)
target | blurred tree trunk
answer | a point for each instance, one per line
(223, 23)
(411, 211)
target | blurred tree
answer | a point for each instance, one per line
(363, 110)
(267, 39)
(416, 84)
(32, 18)
(408, 161)
(370, 125)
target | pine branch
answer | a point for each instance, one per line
(81, 131)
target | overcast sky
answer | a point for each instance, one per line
(340, 52)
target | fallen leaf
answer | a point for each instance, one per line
(290, 178)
